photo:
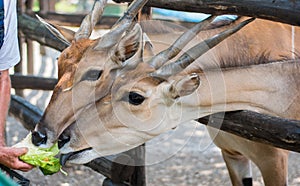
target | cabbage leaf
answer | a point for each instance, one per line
(40, 157)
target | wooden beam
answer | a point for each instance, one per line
(278, 132)
(285, 11)
(35, 30)
(28, 114)
(75, 19)
(19, 81)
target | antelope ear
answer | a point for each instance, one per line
(129, 46)
(184, 86)
(147, 48)
(63, 34)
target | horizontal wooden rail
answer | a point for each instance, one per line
(28, 114)
(280, 10)
(275, 131)
(33, 29)
(75, 20)
(19, 81)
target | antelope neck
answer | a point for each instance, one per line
(256, 88)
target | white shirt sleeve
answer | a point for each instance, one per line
(9, 52)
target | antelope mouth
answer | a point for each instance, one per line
(72, 157)
(68, 155)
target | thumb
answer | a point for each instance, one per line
(21, 151)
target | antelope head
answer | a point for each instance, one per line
(139, 104)
(86, 69)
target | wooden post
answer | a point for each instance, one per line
(29, 5)
(30, 58)
(138, 177)
(19, 67)
(44, 6)
(29, 42)
(128, 167)
(51, 4)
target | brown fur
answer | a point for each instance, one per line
(68, 61)
(72, 55)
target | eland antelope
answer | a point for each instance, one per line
(114, 94)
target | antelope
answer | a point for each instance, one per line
(114, 94)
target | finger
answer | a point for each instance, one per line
(20, 151)
(23, 166)
(25, 170)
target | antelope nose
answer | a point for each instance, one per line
(63, 139)
(38, 138)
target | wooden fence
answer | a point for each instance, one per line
(118, 174)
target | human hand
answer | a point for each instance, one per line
(9, 156)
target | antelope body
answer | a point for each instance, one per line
(114, 93)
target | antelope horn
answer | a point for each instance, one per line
(195, 52)
(90, 20)
(122, 25)
(164, 56)
(53, 30)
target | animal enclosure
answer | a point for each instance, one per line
(136, 175)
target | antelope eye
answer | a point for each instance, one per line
(92, 75)
(135, 98)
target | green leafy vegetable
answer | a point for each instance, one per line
(43, 158)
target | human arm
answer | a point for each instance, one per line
(9, 156)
